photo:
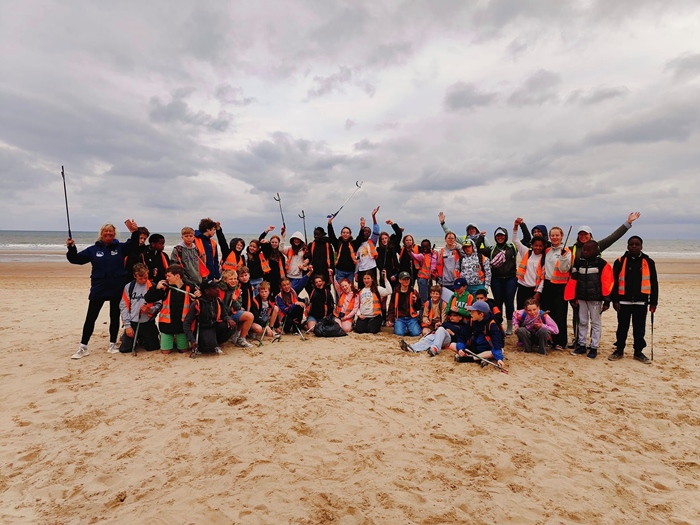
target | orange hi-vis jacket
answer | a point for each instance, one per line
(203, 270)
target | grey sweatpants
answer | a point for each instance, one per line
(589, 310)
(438, 339)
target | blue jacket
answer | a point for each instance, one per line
(485, 335)
(108, 275)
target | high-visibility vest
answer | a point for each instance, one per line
(376, 305)
(558, 277)
(352, 252)
(232, 262)
(164, 316)
(522, 267)
(482, 261)
(325, 304)
(203, 270)
(441, 262)
(341, 302)
(328, 253)
(127, 299)
(432, 311)
(372, 249)
(290, 253)
(293, 300)
(416, 264)
(424, 270)
(411, 298)
(646, 277)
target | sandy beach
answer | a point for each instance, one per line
(346, 431)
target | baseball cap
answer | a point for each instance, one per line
(404, 275)
(480, 306)
(459, 282)
(586, 229)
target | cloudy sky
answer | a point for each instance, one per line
(559, 112)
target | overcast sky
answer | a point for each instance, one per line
(564, 113)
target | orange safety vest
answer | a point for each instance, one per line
(522, 267)
(290, 253)
(558, 277)
(646, 277)
(341, 302)
(441, 263)
(164, 316)
(372, 249)
(203, 270)
(411, 299)
(352, 253)
(433, 312)
(328, 253)
(424, 270)
(294, 300)
(416, 264)
(325, 304)
(232, 262)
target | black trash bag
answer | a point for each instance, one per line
(327, 327)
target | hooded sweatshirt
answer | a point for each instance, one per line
(507, 269)
(188, 258)
(294, 260)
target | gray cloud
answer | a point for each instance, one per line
(596, 95)
(538, 88)
(177, 110)
(387, 55)
(349, 124)
(462, 96)
(228, 94)
(364, 145)
(685, 67)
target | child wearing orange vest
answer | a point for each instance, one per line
(207, 324)
(403, 308)
(208, 251)
(347, 305)
(185, 254)
(434, 310)
(369, 314)
(320, 303)
(635, 290)
(137, 314)
(427, 267)
(291, 309)
(530, 270)
(156, 260)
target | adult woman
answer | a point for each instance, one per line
(369, 313)
(106, 282)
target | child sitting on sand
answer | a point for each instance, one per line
(532, 325)
(207, 324)
(137, 314)
(452, 330)
(264, 311)
(434, 310)
(484, 338)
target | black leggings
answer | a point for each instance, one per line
(94, 307)
(368, 325)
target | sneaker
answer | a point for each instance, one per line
(243, 343)
(592, 353)
(218, 350)
(509, 328)
(572, 345)
(615, 356)
(642, 358)
(82, 352)
(433, 351)
(404, 345)
(579, 351)
(113, 348)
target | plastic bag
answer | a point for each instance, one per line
(327, 327)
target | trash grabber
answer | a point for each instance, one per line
(502, 369)
(652, 336)
(301, 334)
(65, 194)
(182, 291)
(194, 353)
(279, 201)
(136, 335)
(302, 216)
(262, 336)
(358, 183)
(563, 246)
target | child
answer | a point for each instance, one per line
(185, 254)
(533, 325)
(297, 261)
(345, 249)
(156, 260)
(291, 310)
(367, 253)
(207, 249)
(475, 268)
(483, 336)
(530, 270)
(137, 314)
(636, 289)
(264, 311)
(461, 298)
(320, 302)
(452, 330)
(482, 295)
(177, 299)
(427, 266)
(246, 296)
(207, 324)
(369, 314)
(231, 252)
(136, 249)
(320, 253)
(434, 310)
(348, 303)
(591, 282)
(229, 294)
(403, 308)
(257, 264)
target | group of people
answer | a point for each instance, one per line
(210, 290)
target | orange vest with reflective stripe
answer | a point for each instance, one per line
(416, 264)
(646, 277)
(325, 304)
(127, 299)
(164, 316)
(424, 270)
(352, 252)
(411, 299)
(441, 263)
(203, 270)
(522, 267)
(558, 277)
(290, 253)
(341, 302)
(232, 262)
(328, 253)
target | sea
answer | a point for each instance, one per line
(50, 246)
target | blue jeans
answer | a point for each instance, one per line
(254, 283)
(424, 289)
(298, 284)
(503, 289)
(407, 326)
(340, 275)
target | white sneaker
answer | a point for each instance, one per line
(218, 350)
(113, 348)
(243, 343)
(82, 352)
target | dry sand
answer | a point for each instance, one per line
(347, 431)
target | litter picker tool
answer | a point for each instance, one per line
(302, 216)
(502, 369)
(563, 246)
(182, 291)
(652, 336)
(136, 336)
(358, 183)
(262, 336)
(65, 194)
(195, 352)
(279, 201)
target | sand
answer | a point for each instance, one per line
(346, 431)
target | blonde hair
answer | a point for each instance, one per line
(228, 273)
(185, 230)
(106, 226)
